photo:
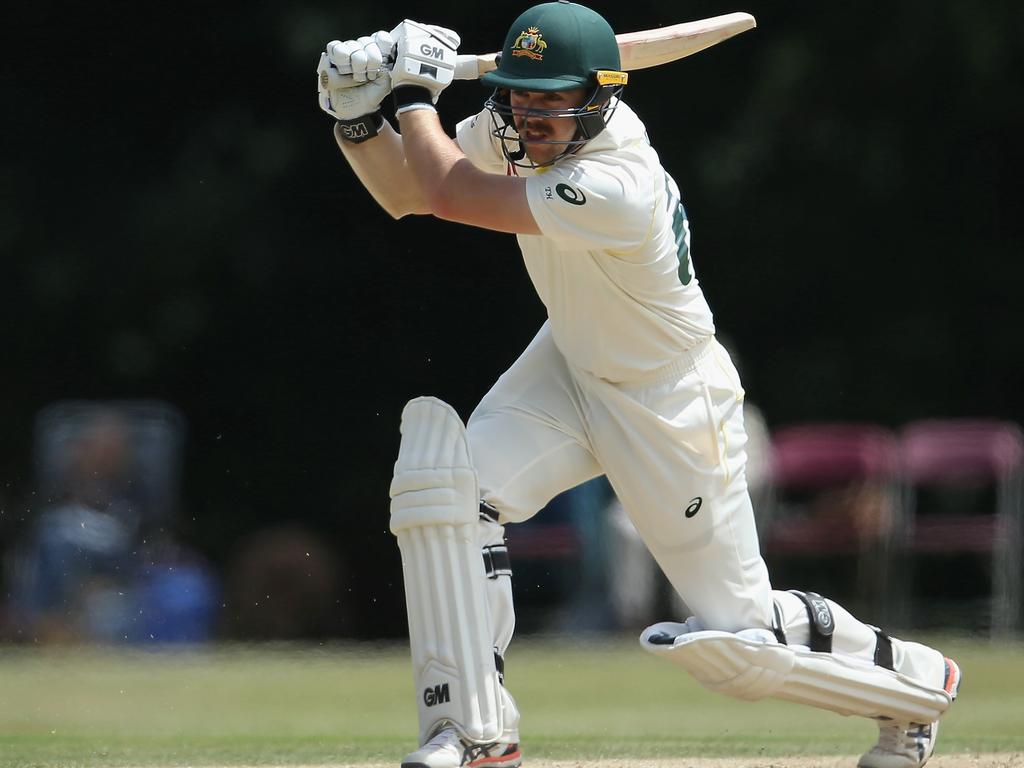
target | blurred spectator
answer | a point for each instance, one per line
(867, 505)
(100, 561)
(836, 519)
(282, 583)
(589, 607)
(554, 559)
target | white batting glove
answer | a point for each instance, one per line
(424, 64)
(352, 80)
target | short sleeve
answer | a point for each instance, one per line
(594, 204)
(473, 135)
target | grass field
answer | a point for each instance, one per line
(602, 703)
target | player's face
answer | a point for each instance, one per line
(536, 128)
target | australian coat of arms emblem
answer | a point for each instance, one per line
(529, 43)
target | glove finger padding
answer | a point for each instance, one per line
(369, 61)
(362, 58)
(359, 61)
(340, 54)
(386, 43)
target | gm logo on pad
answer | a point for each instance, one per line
(436, 695)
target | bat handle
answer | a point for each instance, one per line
(467, 66)
(470, 67)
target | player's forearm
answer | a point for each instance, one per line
(434, 159)
(381, 166)
(455, 189)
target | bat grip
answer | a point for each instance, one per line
(467, 67)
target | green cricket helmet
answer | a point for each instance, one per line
(557, 46)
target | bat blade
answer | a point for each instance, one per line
(639, 50)
(647, 48)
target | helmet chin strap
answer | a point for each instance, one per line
(520, 153)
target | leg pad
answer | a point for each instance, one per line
(434, 514)
(754, 665)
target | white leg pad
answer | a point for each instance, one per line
(753, 665)
(435, 506)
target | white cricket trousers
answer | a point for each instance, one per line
(672, 447)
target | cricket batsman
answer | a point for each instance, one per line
(625, 378)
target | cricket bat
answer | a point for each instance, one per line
(639, 50)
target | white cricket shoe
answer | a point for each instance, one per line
(447, 750)
(903, 745)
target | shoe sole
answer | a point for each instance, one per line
(510, 760)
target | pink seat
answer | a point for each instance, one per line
(815, 455)
(836, 488)
(859, 461)
(949, 452)
(948, 456)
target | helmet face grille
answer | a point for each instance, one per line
(591, 118)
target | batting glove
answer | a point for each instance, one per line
(424, 64)
(352, 80)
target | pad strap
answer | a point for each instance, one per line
(487, 512)
(820, 622)
(496, 561)
(778, 625)
(883, 649)
(499, 664)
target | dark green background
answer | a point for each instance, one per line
(177, 222)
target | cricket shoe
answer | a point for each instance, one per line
(448, 750)
(903, 745)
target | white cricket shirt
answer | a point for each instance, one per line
(613, 264)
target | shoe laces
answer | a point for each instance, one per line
(917, 737)
(444, 738)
